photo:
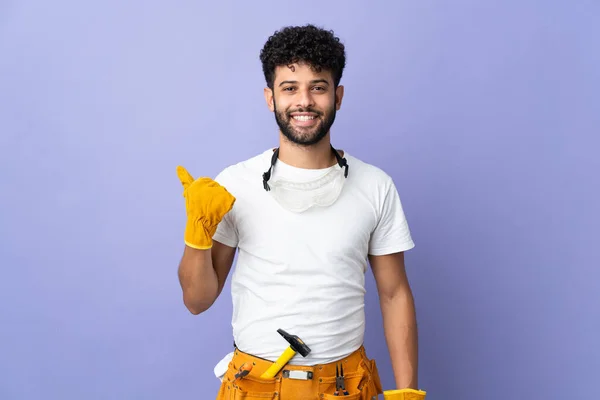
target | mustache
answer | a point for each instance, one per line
(304, 110)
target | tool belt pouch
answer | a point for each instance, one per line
(249, 387)
(362, 384)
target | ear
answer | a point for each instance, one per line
(269, 98)
(339, 94)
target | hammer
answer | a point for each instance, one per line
(296, 346)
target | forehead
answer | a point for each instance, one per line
(301, 72)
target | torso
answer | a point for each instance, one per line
(301, 272)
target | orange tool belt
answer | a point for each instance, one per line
(296, 382)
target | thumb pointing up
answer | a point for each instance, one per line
(184, 176)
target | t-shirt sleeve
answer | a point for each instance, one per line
(226, 232)
(391, 234)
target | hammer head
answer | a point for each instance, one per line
(295, 343)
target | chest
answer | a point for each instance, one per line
(338, 234)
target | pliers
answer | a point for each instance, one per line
(339, 381)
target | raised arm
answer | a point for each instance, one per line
(205, 263)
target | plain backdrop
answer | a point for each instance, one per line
(485, 113)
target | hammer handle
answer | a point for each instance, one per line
(277, 365)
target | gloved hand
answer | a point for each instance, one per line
(404, 394)
(206, 203)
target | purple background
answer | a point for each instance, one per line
(486, 114)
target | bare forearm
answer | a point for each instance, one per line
(198, 280)
(400, 329)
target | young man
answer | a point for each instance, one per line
(306, 220)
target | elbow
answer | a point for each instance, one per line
(196, 307)
(195, 311)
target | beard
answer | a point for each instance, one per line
(304, 136)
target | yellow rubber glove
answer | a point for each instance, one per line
(404, 394)
(206, 203)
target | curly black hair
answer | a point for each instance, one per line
(309, 44)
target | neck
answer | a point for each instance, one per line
(316, 156)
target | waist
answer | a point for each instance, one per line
(352, 362)
(357, 374)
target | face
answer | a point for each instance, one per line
(304, 102)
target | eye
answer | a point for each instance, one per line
(319, 88)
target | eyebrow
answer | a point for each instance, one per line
(312, 82)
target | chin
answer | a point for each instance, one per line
(306, 141)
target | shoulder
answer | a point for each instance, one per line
(369, 176)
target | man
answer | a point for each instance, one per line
(306, 219)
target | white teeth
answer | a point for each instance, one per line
(303, 117)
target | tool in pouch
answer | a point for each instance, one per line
(340, 386)
(296, 346)
(243, 371)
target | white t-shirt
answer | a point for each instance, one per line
(305, 272)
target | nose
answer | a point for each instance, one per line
(305, 98)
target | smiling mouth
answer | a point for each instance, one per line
(304, 117)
